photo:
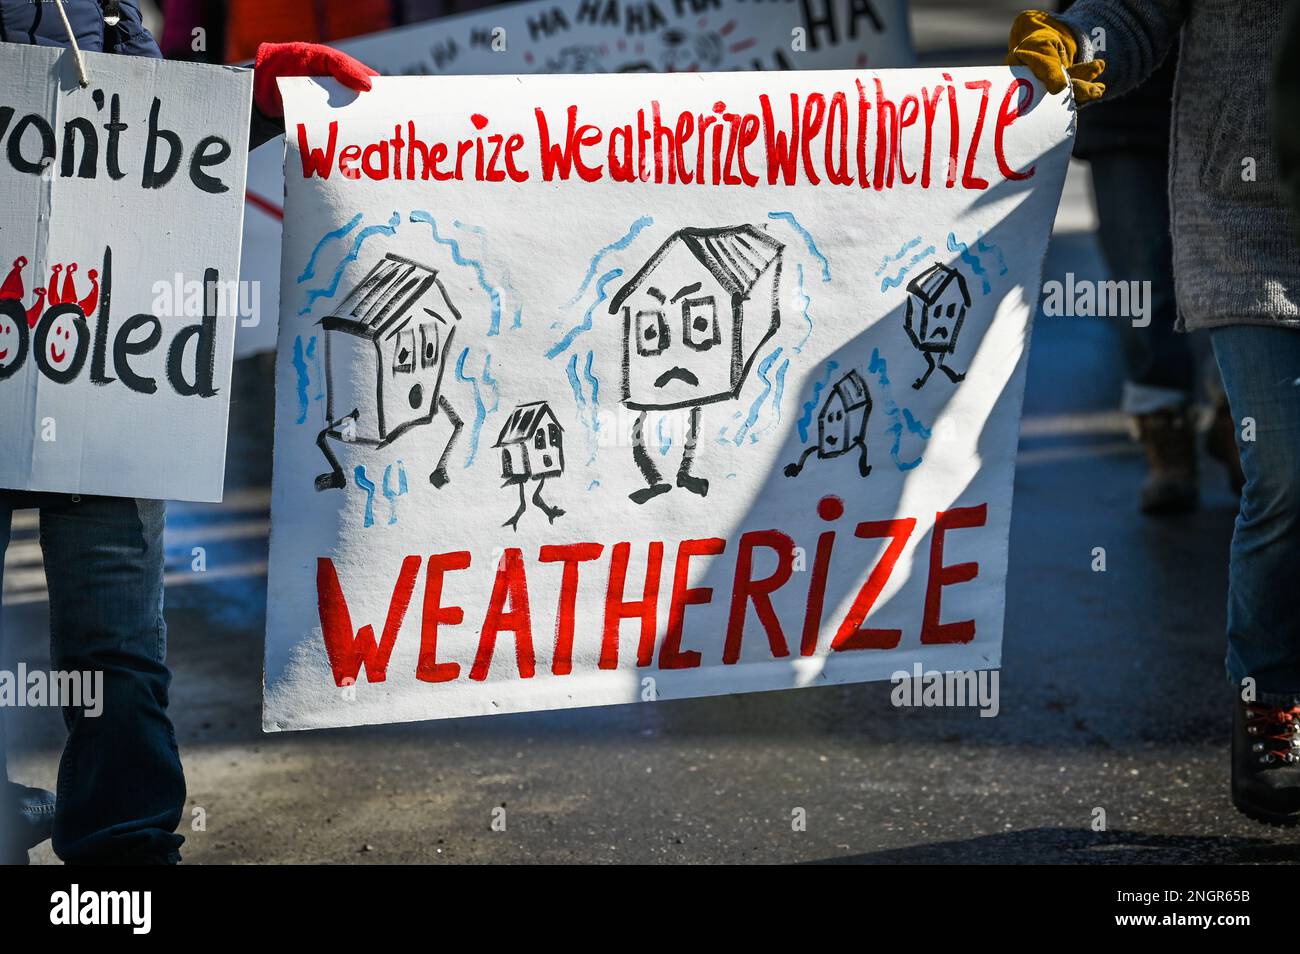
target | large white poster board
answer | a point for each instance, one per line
(586, 36)
(119, 253)
(664, 386)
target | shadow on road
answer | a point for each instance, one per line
(1074, 847)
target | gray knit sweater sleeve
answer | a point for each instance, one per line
(1135, 36)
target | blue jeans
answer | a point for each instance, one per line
(1261, 375)
(121, 790)
(1132, 193)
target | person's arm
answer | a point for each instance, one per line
(129, 36)
(1138, 34)
(296, 59)
(1122, 40)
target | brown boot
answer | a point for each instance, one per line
(1169, 438)
(1221, 444)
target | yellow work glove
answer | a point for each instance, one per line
(1048, 47)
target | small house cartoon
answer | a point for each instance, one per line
(841, 424)
(936, 308)
(694, 318)
(386, 349)
(532, 448)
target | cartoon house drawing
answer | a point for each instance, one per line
(386, 349)
(694, 318)
(532, 448)
(936, 308)
(841, 424)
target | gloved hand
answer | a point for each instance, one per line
(302, 59)
(1048, 47)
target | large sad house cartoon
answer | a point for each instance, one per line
(694, 318)
(386, 349)
(937, 302)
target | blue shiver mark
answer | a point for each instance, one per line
(990, 247)
(763, 367)
(807, 238)
(636, 229)
(560, 346)
(480, 409)
(300, 358)
(804, 302)
(595, 391)
(897, 256)
(571, 371)
(309, 272)
(492, 383)
(902, 418)
(888, 283)
(810, 406)
(392, 494)
(776, 399)
(330, 290)
(505, 284)
(970, 258)
(368, 486)
(494, 296)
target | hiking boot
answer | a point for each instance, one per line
(1221, 444)
(1169, 439)
(1266, 762)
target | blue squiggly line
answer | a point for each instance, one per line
(636, 229)
(908, 246)
(492, 383)
(391, 494)
(480, 410)
(300, 368)
(665, 440)
(359, 474)
(776, 399)
(505, 283)
(901, 417)
(763, 367)
(571, 371)
(805, 301)
(560, 346)
(310, 271)
(897, 280)
(970, 258)
(494, 296)
(810, 406)
(314, 357)
(595, 391)
(330, 290)
(789, 218)
(995, 249)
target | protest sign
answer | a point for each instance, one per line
(586, 36)
(120, 252)
(659, 387)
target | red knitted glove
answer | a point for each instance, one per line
(302, 59)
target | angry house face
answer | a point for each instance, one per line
(673, 343)
(695, 315)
